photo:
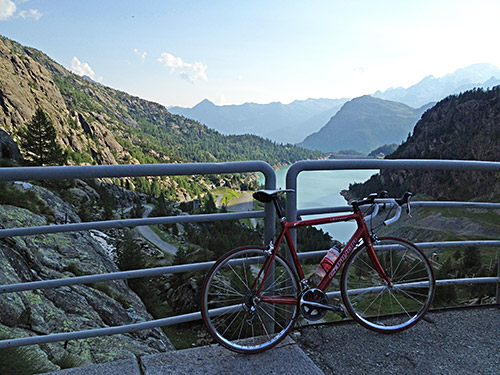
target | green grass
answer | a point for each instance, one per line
(488, 217)
(25, 199)
(228, 194)
(184, 336)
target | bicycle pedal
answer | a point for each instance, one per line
(342, 311)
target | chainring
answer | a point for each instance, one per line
(311, 312)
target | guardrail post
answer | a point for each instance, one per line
(291, 204)
(269, 232)
(270, 215)
(497, 297)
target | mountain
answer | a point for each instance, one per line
(462, 127)
(285, 123)
(364, 124)
(100, 125)
(431, 89)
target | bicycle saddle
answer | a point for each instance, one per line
(266, 196)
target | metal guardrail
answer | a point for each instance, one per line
(109, 171)
(332, 165)
(70, 172)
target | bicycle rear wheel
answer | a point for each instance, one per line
(235, 316)
(380, 307)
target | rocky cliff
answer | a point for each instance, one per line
(65, 309)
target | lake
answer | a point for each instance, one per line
(322, 189)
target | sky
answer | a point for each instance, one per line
(232, 52)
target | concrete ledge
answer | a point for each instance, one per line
(287, 358)
(123, 367)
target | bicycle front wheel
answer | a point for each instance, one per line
(382, 307)
(235, 315)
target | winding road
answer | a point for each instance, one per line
(146, 232)
(242, 203)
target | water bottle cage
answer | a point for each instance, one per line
(326, 264)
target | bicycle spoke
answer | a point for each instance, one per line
(378, 295)
(226, 288)
(272, 318)
(230, 283)
(399, 264)
(263, 326)
(397, 300)
(411, 296)
(412, 286)
(409, 272)
(238, 276)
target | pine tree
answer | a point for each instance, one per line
(38, 140)
(138, 208)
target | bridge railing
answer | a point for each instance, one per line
(368, 164)
(70, 172)
(110, 171)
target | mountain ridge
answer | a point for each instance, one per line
(432, 89)
(459, 127)
(363, 124)
(284, 123)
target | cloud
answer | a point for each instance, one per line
(82, 68)
(7, 9)
(141, 54)
(192, 72)
(32, 13)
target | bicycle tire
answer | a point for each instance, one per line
(375, 305)
(228, 285)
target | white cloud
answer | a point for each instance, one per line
(192, 72)
(7, 9)
(82, 68)
(32, 13)
(141, 54)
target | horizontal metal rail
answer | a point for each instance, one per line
(185, 318)
(151, 272)
(136, 170)
(437, 204)
(421, 245)
(123, 223)
(441, 282)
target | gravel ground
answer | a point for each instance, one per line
(453, 342)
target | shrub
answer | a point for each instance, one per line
(68, 360)
(21, 360)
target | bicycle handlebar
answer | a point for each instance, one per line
(382, 198)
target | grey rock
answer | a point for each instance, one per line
(66, 309)
(124, 367)
(9, 148)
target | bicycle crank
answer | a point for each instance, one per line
(314, 305)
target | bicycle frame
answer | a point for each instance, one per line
(361, 233)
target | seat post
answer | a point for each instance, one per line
(277, 206)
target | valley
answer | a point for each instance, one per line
(95, 124)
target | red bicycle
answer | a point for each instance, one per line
(252, 297)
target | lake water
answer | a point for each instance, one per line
(322, 189)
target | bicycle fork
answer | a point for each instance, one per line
(374, 259)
